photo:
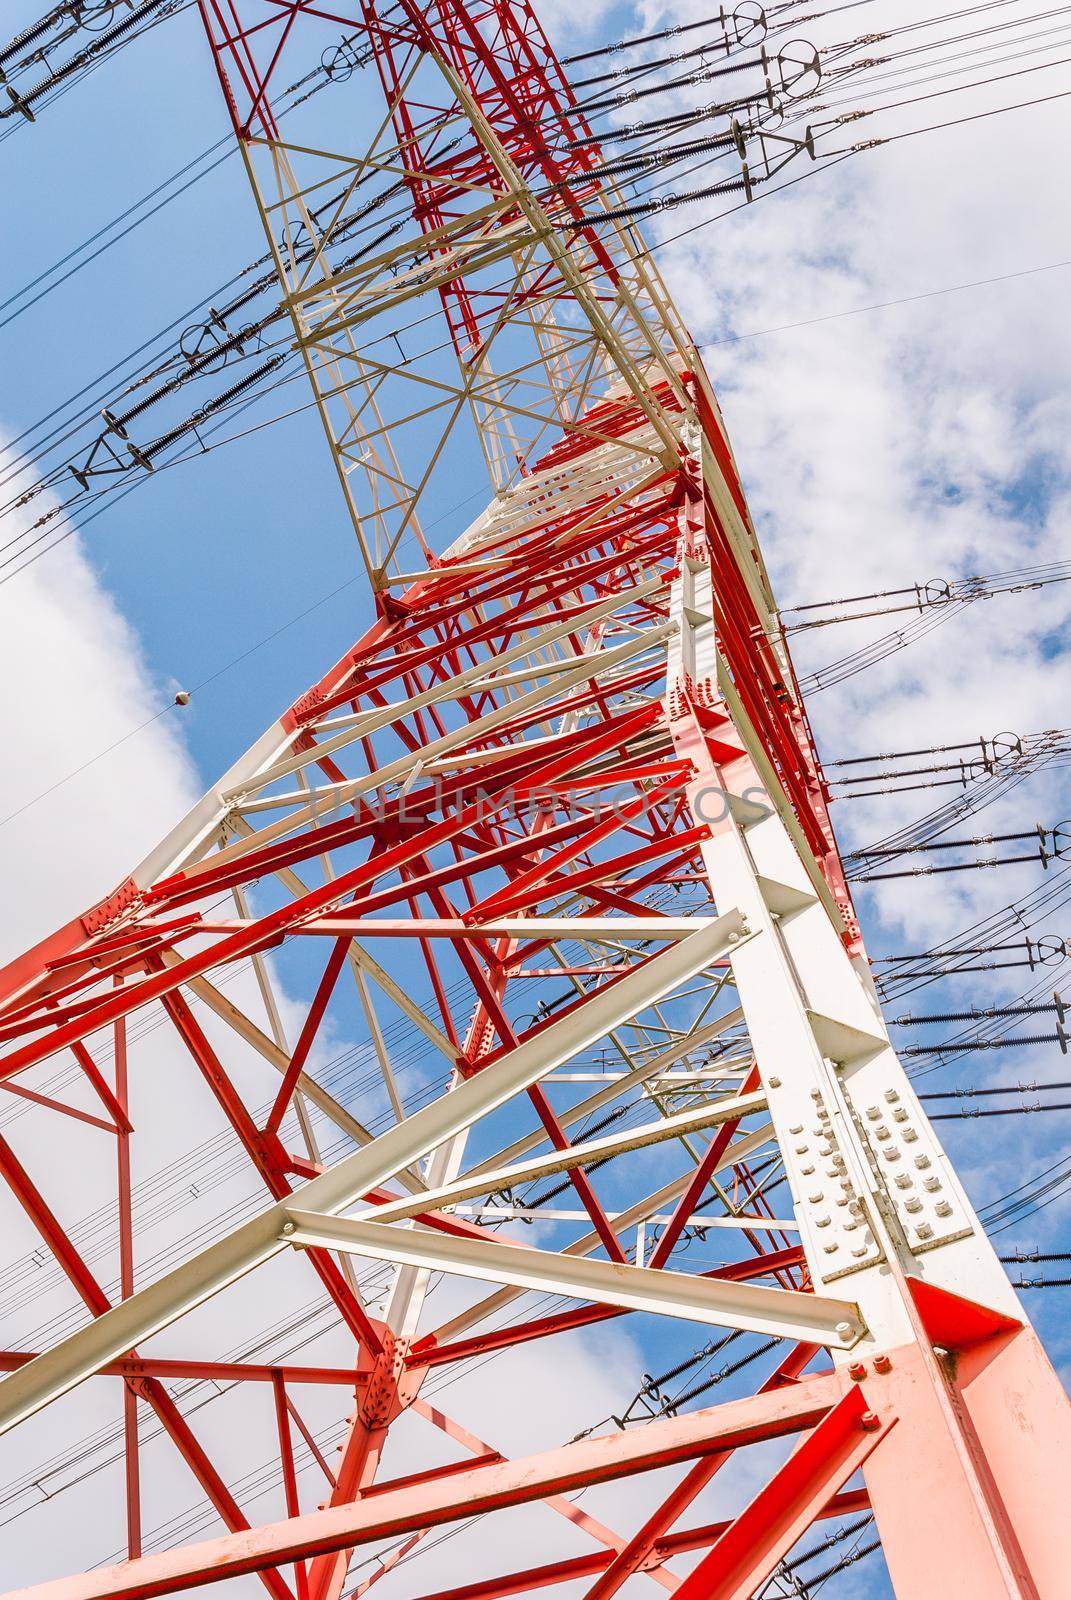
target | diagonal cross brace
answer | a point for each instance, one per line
(77, 1357)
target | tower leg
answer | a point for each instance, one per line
(970, 1488)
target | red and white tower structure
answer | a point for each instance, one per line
(557, 817)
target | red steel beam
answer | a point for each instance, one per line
(848, 1503)
(384, 1510)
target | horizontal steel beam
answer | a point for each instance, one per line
(779, 1313)
(638, 1211)
(386, 1512)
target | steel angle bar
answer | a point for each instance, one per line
(780, 1313)
(57, 1370)
(750, 1548)
(459, 736)
(614, 1087)
(640, 1211)
(693, 1120)
(390, 1511)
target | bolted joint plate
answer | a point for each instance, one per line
(832, 1213)
(910, 1166)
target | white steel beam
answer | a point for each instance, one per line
(159, 1304)
(681, 1123)
(776, 1313)
(620, 1223)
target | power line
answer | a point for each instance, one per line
(885, 305)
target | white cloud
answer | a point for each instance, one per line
(918, 442)
(73, 679)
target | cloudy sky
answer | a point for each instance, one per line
(879, 447)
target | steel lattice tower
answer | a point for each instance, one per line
(566, 776)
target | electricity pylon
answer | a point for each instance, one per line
(557, 818)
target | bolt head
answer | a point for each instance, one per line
(870, 1421)
(289, 1227)
(844, 1330)
(882, 1363)
(857, 1370)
